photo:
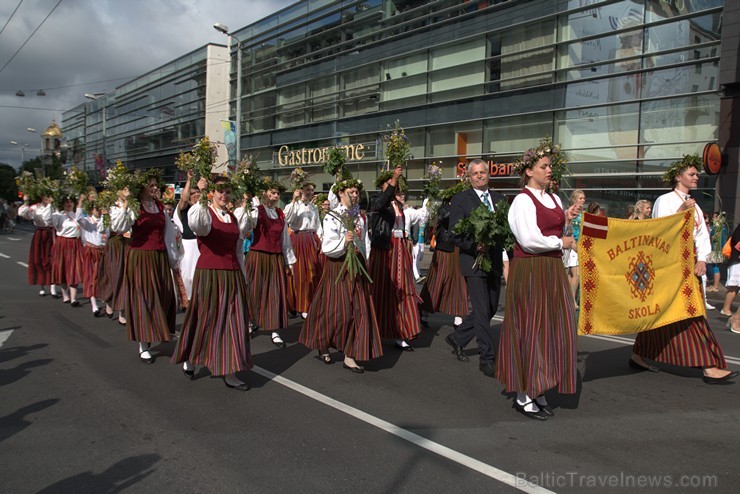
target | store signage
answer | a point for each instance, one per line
(316, 156)
(712, 158)
(495, 169)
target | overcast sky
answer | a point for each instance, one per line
(93, 46)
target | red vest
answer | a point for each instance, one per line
(148, 231)
(218, 248)
(549, 221)
(268, 235)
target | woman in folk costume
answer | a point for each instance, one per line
(691, 342)
(537, 347)
(190, 196)
(342, 315)
(302, 218)
(266, 263)
(215, 333)
(393, 289)
(150, 296)
(94, 235)
(39, 256)
(445, 289)
(66, 255)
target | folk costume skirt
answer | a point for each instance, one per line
(445, 289)
(342, 315)
(394, 291)
(113, 272)
(39, 256)
(92, 255)
(688, 343)
(306, 272)
(150, 296)
(266, 289)
(215, 333)
(537, 347)
(66, 261)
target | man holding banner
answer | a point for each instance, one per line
(657, 262)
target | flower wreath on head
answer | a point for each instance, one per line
(546, 148)
(386, 175)
(345, 184)
(144, 178)
(677, 167)
(321, 198)
(270, 184)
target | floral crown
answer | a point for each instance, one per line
(269, 184)
(688, 160)
(142, 179)
(347, 183)
(321, 198)
(546, 148)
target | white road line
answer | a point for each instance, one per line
(4, 256)
(4, 335)
(22, 264)
(13, 238)
(444, 451)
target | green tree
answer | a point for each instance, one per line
(8, 188)
(32, 165)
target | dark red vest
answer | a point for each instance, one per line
(218, 248)
(550, 222)
(268, 234)
(148, 231)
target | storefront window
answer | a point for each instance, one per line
(513, 135)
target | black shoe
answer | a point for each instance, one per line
(190, 374)
(238, 387)
(98, 313)
(109, 316)
(545, 409)
(75, 303)
(487, 368)
(149, 360)
(538, 415)
(292, 313)
(357, 370)
(277, 341)
(55, 295)
(642, 368)
(326, 358)
(457, 350)
(718, 380)
(64, 301)
(407, 348)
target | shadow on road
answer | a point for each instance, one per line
(19, 351)
(124, 474)
(8, 376)
(14, 423)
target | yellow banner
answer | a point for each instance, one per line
(637, 275)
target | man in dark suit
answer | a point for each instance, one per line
(483, 288)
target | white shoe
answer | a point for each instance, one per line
(708, 306)
(42, 293)
(304, 315)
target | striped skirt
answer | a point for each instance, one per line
(66, 261)
(266, 289)
(112, 277)
(150, 296)
(688, 343)
(307, 270)
(92, 255)
(393, 291)
(445, 289)
(342, 316)
(537, 347)
(39, 257)
(215, 331)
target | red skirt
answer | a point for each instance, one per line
(150, 296)
(266, 289)
(39, 257)
(688, 343)
(66, 261)
(393, 291)
(91, 257)
(306, 272)
(342, 315)
(112, 278)
(445, 289)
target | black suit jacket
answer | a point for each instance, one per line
(461, 206)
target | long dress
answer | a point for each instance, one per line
(150, 295)
(303, 222)
(94, 235)
(215, 331)
(342, 314)
(66, 255)
(264, 266)
(691, 342)
(537, 346)
(113, 265)
(39, 256)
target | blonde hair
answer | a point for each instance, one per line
(640, 209)
(574, 195)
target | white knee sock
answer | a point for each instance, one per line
(458, 320)
(94, 304)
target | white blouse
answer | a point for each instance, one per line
(67, 224)
(302, 216)
(38, 213)
(290, 258)
(523, 222)
(668, 204)
(93, 231)
(121, 219)
(333, 244)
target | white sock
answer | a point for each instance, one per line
(276, 337)
(108, 309)
(304, 315)
(402, 343)
(458, 320)
(522, 398)
(94, 304)
(144, 350)
(53, 289)
(187, 366)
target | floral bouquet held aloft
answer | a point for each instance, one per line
(432, 190)
(397, 150)
(352, 265)
(488, 228)
(200, 162)
(75, 181)
(718, 238)
(120, 178)
(298, 178)
(336, 158)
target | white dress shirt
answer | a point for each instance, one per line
(333, 244)
(523, 222)
(38, 213)
(67, 224)
(93, 231)
(302, 216)
(272, 213)
(668, 204)
(121, 219)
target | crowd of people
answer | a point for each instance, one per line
(239, 265)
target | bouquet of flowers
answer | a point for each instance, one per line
(718, 239)
(397, 150)
(433, 179)
(26, 183)
(104, 201)
(75, 181)
(298, 177)
(488, 228)
(118, 178)
(350, 218)
(246, 178)
(334, 164)
(200, 160)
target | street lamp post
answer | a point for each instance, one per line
(225, 30)
(23, 150)
(95, 96)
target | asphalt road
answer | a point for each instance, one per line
(80, 413)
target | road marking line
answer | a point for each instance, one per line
(4, 256)
(22, 264)
(4, 335)
(13, 238)
(444, 451)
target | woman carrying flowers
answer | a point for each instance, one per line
(537, 347)
(66, 255)
(94, 235)
(342, 315)
(39, 256)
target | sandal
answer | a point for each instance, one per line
(326, 358)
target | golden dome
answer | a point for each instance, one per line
(52, 130)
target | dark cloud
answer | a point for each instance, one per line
(86, 41)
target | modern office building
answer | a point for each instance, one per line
(625, 86)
